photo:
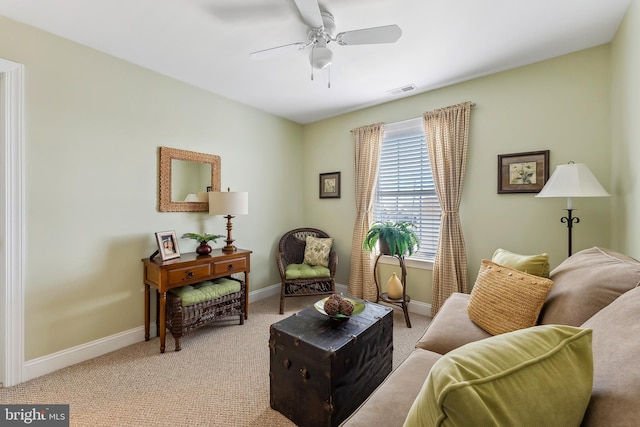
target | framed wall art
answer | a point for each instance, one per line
(523, 172)
(330, 185)
(167, 245)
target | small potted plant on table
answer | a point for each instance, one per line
(203, 239)
(396, 238)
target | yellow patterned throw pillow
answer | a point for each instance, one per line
(316, 251)
(504, 299)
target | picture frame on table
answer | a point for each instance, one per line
(330, 185)
(524, 172)
(167, 245)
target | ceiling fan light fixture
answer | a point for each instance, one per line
(321, 27)
(320, 56)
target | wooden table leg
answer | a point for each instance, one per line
(246, 295)
(146, 312)
(405, 309)
(163, 313)
(157, 313)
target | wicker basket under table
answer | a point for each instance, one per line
(184, 320)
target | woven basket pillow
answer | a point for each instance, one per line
(504, 299)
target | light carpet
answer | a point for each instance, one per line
(219, 378)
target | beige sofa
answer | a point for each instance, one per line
(595, 288)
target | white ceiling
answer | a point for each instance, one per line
(207, 43)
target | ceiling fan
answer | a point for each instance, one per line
(320, 32)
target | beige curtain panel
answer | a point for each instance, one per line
(367, 141)
(447, 131)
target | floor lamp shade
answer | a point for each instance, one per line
(228, 203)
(572, 180)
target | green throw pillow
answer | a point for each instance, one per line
(537, 265)
(316, 251)
(540, 376)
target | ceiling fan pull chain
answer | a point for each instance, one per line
(329, 71)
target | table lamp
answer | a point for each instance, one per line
(572, 180)
(228, 203)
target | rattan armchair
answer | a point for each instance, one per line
(291, 251)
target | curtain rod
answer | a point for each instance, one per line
(473, 104)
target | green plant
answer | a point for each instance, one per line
(203, 239)
(400, 238)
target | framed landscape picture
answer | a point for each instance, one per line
(523, 172)
(330, 185)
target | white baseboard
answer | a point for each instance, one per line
(263, 293)
(46, 364)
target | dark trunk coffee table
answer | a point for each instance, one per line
(320, 371)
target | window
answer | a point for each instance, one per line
(405, 190)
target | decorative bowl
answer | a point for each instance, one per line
(358, 307)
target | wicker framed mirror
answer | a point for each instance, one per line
(182, 171)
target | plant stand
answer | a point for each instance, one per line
(384, 297)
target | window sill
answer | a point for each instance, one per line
(421, 264)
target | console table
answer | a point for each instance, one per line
(189, 269)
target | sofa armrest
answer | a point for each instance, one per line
(451, 327)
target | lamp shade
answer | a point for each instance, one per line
(572, 180)
(320, 56)
(228, 203)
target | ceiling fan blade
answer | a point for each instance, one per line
(375, 35)
(310, 11)
(275, 51)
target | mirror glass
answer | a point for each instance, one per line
(188, 178)
(186, 172)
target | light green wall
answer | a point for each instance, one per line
(626, 133)
(561, 104)
(93, 127)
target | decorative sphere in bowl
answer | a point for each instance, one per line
(338, 308)
(332, 306)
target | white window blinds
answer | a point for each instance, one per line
(405, 190)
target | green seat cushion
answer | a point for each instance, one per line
(306, 271)
(206, 291)
(539, 376)
(538, 265)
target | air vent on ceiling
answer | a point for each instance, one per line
(403, 89)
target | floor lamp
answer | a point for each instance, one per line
(572, 180)
(228, 203)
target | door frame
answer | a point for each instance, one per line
(12, 223)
